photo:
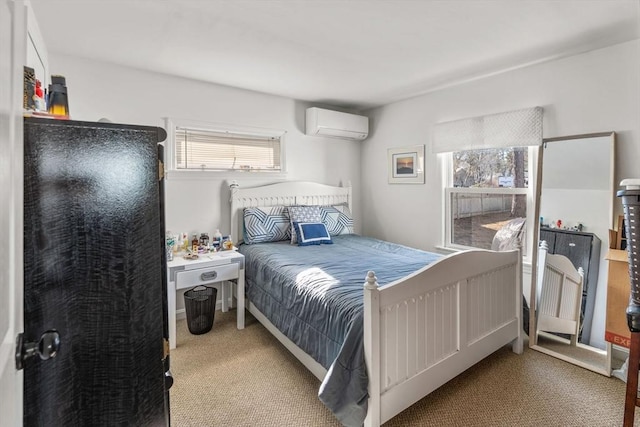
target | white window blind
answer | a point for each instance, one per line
(213, 150)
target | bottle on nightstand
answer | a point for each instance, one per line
(185, 241)
(217, 236)
(228, 243)
(194, 244)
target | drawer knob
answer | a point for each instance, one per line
(572, 244)
(209, 275)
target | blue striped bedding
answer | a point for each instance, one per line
(314, 295)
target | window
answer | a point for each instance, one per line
(216, 148)
(485, 190)
(488, 179)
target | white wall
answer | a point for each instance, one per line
(593, 92)
(126, 95)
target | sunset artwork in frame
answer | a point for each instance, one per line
(406, 165)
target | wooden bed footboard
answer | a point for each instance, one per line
(426, 329)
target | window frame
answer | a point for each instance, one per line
(448, 189)
(172, 171)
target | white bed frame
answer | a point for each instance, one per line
(423, 330)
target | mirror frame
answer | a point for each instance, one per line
(533, 337)
(36, 48)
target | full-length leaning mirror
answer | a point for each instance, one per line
(575, 197)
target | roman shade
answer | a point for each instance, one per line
(518, 128)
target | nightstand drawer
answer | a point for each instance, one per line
(202, 276)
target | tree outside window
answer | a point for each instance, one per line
(489, 190)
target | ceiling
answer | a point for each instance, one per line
(349, 53)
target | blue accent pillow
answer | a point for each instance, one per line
(303, 214)
(312, 233)
(266, 224)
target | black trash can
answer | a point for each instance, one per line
(200, 305)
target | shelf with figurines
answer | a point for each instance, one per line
(51, 103)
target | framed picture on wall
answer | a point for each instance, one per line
(406, 165)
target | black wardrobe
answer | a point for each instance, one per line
(95, 315)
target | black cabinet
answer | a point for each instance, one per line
(583, 249)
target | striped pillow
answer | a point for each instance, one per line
(266, 224)
(337, 219)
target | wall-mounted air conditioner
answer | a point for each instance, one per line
(334, 124)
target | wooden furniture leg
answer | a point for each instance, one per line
(631, 397)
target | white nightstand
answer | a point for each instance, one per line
(213, 268)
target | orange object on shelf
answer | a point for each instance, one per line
(618, 286)
(58, 103)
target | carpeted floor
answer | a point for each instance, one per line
(229, 377)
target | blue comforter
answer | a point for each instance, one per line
(314, 295)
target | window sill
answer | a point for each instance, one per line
(213, 175)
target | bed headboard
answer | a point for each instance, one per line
(286, 193)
